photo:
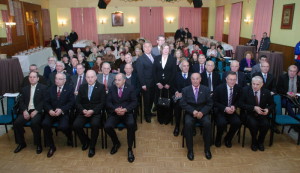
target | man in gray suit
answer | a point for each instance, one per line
(78, 79)
(256, 68)
(106, 78)
(160, 41)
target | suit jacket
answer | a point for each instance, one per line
(144, 68)
(247, 101)
(128, 99)
(204, 102)
(134, 82)
(255, 69)
(73, 37)
(216, 79)
(164, 75)
(155, 51)
(264, 44)
(47, 71)
(51, 80)
(97, 101)
(54, 44)
(270, 83)
(283, 84)
(244, 64)
(196, 68)
(65, 102)
(240, 78)
(220, 97)
(122, 66)
(180, 82)
(74, 80)
(110, 81)
(253, 44)
(25, 81)
(69, 68)
(38, 98)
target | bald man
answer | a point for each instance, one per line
(240, 76)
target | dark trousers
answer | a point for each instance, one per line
(259, 123)
(78, 126)
(35, 127)
(111, 123)
(189, 127)
(148, 100)
(288, 104)
(222, 119)
(177, 113)
(58, 53)
(63, 125)
(164, 114)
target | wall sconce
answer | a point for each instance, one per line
(131, 20)
(247, 20)
(102, 20)
(62, 22)
(170, 19)
(226, 20)
(10, 24)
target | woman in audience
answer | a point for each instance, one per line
(138, 52)
(78, 50)
(120, 61)
(164, 70)
(212, 52)
(193, 59)
(81, 60)
(179, 58)
(247, 63)
(87, 51)
(93, 55)
(221, 53)
(197, 49)
(98, 65)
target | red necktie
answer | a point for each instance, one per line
(58, 92)
(79, 83)
(105, 82)
(120, 92)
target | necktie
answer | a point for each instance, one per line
(237, 79)
(265, 78)
(151, 58)
(256, 98)
(120, 92)
(52, 69)
(79, 83)
(74, 71)
(230, 97)
(201, 68)
(105, 82)
(58, 92)
(209, 82)
(292, 88)
(196, 94)
(90, 91)
(184, 75)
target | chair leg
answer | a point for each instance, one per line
(105, 139)
(6, 128)
(271, 137)
(282, 129)
(182, 137)
(102, 139)
(75, 139)
(239, 135)
(298, 143)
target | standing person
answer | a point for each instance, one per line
(253, 41)
(56, 46)
(188, 34)
(264, 43)
(164, 70)
(157, 49)
(67, 42)
(144, 69)
(73, 36)
(89, 102)
(180, 34)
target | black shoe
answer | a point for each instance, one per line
(39, 149)
(148, 119)
(19, 148)
(218, 143)
(70, 141)
(228, 143)
(86, 145)
(261, 147)
(115, 148)
(208, 154)
(253, 147)
(91, 152)
(51, 151)
(176, 131)
(190, 155)
(130, 156)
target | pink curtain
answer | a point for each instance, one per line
(46, 24)
(190, 18)
(235, 24)
(77, 22)
(219, 23)
(262, 18)
(89, 20)
(4, 14)
(151, 23)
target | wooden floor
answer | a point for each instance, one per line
(157, 151)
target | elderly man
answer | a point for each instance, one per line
(78, 79)
(200, 66)
(268, 78)
(89, 102)
(59, 67)
(258, 103)
(56, 45)
(253, 41)
(59, 100)
(106, 78)
(226, 98)
(31, 108)
(234, 67)
(210, 78)
(121, 101)
(196, 102)
(50, 67)
(33, 68)
(157, 49)
(128, 60)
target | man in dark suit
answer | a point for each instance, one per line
(226, 99)
(128, 60)
(106, 78)
(89, 102)
(268, 78)
(68, 65)
(256, 67)
(200, 66)
(210, 78)
(289, 85)
(131, 78)
(33, 68)
(157, 49)
(56, 46)
(59, 68)
(253, 41)
(234, 67)
(31, 109)
(67, 42)
(50, 67)
(73, 37)
(78, 79)
(121, 101)
(258, 103)
(144, 69)
(182, 79)
(74, 62)
(180, 34)
(59, 101)
(196, 102)
(264, 43)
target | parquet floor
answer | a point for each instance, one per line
(157, 151)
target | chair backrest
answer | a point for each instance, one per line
(277, 101)
(2, 105)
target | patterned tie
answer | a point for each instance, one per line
(265, 78)
(105, 82)
(120, 92)
(209, 82)
(184, 75)
(90, 91)
(58, 92)
(196, 94)
(230, 97)
(256, 98)
(201, 68)
(79, 83)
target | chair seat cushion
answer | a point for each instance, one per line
(5, 119)
(285, 119)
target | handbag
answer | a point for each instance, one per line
(164, 102)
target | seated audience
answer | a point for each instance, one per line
(200, 66)
(59, 67)
(253, 41)
(212, 52)
(78, 79)
(82, 60)
(234, 67)
(33, 68)
(106, 78)
(210, 78)
(50, 67)
(256, 68)
(268, 79)
(98, 64)
(247, 63)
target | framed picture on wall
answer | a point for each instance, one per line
(117, 19)
(287, 16)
